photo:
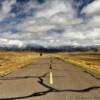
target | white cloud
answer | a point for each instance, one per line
(4, 42)
(92, 11)
(53, 7)
(6, 8)
(56, 15)
(93, 8)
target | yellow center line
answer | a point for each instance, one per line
(51, 77)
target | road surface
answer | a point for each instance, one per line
(33, 82)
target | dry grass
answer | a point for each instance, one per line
(88, 61)
(10, 61)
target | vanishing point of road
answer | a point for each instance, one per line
(32, 82)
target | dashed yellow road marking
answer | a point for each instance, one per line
(51, 77)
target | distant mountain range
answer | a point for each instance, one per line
(39, 48)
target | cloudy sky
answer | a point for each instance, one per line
(49, 22)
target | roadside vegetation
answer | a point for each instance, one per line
(10, 61)
(88, 61)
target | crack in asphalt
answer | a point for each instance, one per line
(92, 75)
(24, 77)
(49, 88)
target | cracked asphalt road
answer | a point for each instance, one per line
(32, 82)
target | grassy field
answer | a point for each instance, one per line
(10, 61)
(88, 61)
